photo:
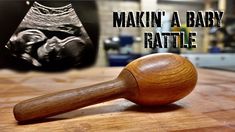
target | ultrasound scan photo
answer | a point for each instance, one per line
(51, 38)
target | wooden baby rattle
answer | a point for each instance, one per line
(155, 79)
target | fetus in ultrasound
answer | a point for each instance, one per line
(35, 47)
(51, 38)
(25, 43)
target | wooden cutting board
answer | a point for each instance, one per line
(210, 107)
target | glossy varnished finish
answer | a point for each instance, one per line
(162, 78)
(151, 80)
(210, 107)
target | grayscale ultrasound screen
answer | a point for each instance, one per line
(51, 38)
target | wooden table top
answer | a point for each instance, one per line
(210, 107)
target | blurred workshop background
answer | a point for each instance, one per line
(216, 46)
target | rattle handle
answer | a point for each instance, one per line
(60, 102)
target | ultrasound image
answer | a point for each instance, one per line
(51, 38)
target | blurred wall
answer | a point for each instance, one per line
(106, 8)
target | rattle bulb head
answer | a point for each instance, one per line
(162, 78)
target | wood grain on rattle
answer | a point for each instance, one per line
(60, 102)
(151, 80)
(163, 78)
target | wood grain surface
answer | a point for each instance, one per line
(157, 79)
(162, 78)
(210, 107)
